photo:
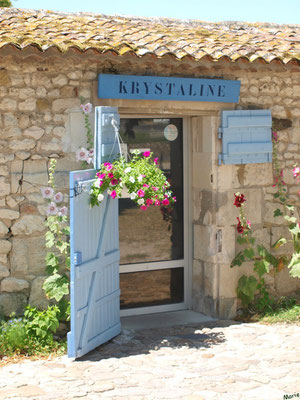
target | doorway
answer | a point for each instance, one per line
(153, 276)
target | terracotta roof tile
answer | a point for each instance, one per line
(140, 36)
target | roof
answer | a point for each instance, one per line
(157, 36)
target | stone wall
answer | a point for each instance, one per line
(40, 119)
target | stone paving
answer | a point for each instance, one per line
(218, 360)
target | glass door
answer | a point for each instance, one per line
(152, 241)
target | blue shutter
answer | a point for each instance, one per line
(246, 137)
(107, 120)
(95, 255)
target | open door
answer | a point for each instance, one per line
(95, 255)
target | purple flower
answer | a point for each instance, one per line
(58, 197)
(52, 209)
(47, 192)
(86, 108)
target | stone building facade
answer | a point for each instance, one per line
(41, 118)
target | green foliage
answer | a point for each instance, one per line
(247, 286)
(56, 286)
(32, 334)
(144, 181)
(41, 324)
(5, 3)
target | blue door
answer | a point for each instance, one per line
(95, 255)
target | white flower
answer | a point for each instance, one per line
(140, 201)
(132, 180)
(132, 195)
(97, 183)
(126, 170)
(52, 209)
(91, 153)
(109, 192)
(81, 154)
(63, 211)
(47, 192)
(86, 108)
(89, 160)
(140, 178)
(121, 184)
(58, 197)
(169, 194)
(100, 197)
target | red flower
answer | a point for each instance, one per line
(239, 199)
(239, 226)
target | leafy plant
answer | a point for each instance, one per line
(56, 286)
(287, 211)
(41, 324)
(252, 289)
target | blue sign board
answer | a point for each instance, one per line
(166, 88)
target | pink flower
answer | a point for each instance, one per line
(145, 185)
(91, 153)
(52, 209)
(296, 172)
(155, 188)
(248, 224)
(100, 176)
(113, 194)
(143, 207)
(86, 108)
(89, 160)
(110, 175)
(174, 198)
(58, 197)
(47, 192)
(108, 166)
(140, 193)
(63, 211)
(274, 136)
(146, 154)
(155, 160)
(114, 182)
(157, 202)
(149, 202)
(165, 202)
(81, 154)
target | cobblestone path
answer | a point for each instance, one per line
(218, 360)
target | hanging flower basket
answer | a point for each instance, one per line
(140, 177)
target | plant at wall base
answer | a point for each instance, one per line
(56, 286)
(287, 211)
(252, 289)
(145, 183)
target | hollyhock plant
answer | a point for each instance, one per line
(142, 180)
(239, 199)
(47, 192)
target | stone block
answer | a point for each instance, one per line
(35, 173)
(43, 105)
(24, 144)
(59, 131)
(52, 146)
(60, 80)
(34, 132)
(5, 213)
(28, 105)
(28, 256)
(23, 155)
(23, 121)
(4, 170)
(202, 171)
(4, 78)
(12, 285)
(8, 104)
(4, 272)
(197, 280)
(227, 308)
(3, 229)
(12, 132)
(61, 105)
(285, 284)
(4, 187)
(37, 296)
(205, 244)
(10, 120)
(5, 246)
(4, 158)
(210, 280)
(258, 174)
(12, 302)
(227, 177)
(229, 277)
(75, 136)
(227, 212)
(11, 202)
(25, 93)
(28, 224)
